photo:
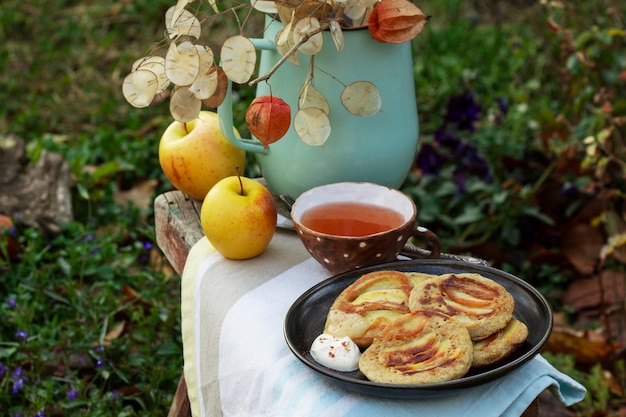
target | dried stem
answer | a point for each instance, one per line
(287, 54)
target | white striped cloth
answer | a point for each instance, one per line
(237, 363)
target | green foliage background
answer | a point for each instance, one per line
(62, 63)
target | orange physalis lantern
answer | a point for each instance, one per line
(395, 21)
(268, 118)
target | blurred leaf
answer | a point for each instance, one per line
(82, 191)
(57, 297)
(616, 246)
(584, 350)
(469, 215)
(114, 333)
(587, 293)
(141, 195)
(581, 244)
(65, 266)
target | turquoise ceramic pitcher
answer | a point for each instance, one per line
(378, 149)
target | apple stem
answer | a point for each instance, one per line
(185, 127)
(242, 192)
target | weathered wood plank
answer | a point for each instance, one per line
(180, 405)
(177, 222)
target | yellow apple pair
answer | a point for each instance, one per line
(238, 214)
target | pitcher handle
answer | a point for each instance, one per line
(225, 110)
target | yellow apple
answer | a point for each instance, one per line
(194, 156)
(238, 217)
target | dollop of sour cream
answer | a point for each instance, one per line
(339, 354)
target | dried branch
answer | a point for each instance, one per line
(287, 54)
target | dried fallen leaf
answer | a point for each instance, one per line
(585, 293)
(615, 246)
(114, 333)
(141, 195)
(582, 243)
(584, 350)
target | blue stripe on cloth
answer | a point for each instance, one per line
(260, 377)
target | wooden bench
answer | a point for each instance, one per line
(177, 223)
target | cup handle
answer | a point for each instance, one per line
(225, 110)
(431, 237)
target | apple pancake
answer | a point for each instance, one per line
(419, 277)
(421, 347)
(366, 306)
(500, 344)
(482, 305)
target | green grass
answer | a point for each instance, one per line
(91, 322)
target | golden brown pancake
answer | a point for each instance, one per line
(365, 307)
(419, 277)
(500, 344)
(482, 305)
(422, 347)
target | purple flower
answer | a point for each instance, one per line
(462, 111)
(429, 161)
(569, 190)
(503, 104)
(72, 394)
(22, 334)
(18, 380)
(446, 139)
(144, 257)
(11, 302)
(3, 369)
(10, 231)
(100, 361)
(18, 384)
(115, 395)
(460, 181)
(41, 413)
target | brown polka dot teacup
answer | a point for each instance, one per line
(350, 225)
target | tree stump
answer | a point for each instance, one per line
(34, 193)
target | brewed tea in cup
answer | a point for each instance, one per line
(350, 225)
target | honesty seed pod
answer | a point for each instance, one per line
(268, 118)
(395, 21)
